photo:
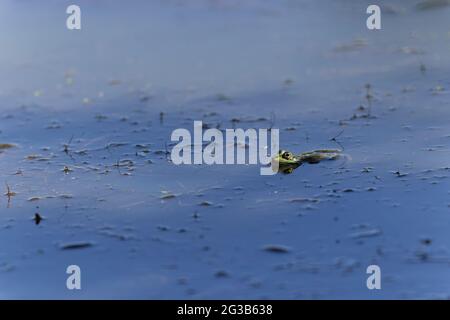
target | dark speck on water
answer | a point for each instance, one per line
(76, 245)
(37, 218)
(276, 248)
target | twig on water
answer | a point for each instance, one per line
(334, 139)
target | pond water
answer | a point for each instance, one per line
(90, 114)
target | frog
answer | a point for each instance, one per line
(287, 161)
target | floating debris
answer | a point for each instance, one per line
(423, 68)
(6, 267)
(116, 144)
(222, 274)
(275, 248)
(65, 196)
(303, 200)
(144, 98)
(411, 51)
(222, 97)
(37, 218)
(355, 45)
(249, 120)
(437, 90)
(66, 170)
(390, 9)
(76, 245)
(432, 4)
(118, 236)
(32, 199)
(100, 117)
(8, 192)
(399, 174)
(36, 157)
(346, 264)
(366, 234)
(114, 82)
(37, 198)
(166, 195)
(53, 125)
(205, 204)
(4, 146)
(163, 228)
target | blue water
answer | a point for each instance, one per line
(303, 66)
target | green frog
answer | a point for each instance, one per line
(288, 161)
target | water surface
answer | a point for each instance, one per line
(91, 113)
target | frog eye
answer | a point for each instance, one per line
(286, 155)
